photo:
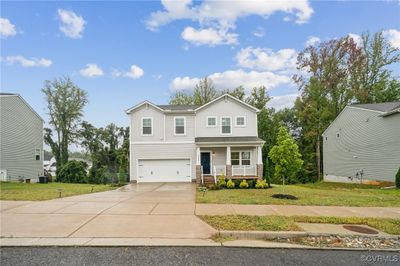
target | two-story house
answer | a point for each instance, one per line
(21, 140)
(181, 143)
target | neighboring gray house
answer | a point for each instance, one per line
(363, 142)
(175, 143)
(21, 139)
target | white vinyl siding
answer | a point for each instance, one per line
(360, 139)
(179, 126)
(226, 125)
(20, 138)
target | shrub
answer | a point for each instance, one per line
(261, 184)
(230, 184)
(244, 184)
(251, 183)
(72, 172)
(215, 187)
(398, 179)
(221, 182)
(237, 182)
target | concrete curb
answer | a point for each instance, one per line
(270, 235)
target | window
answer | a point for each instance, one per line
(147, 126)
(235, 158)
(180, 125)
(226, 126)
(37, 154)
(240, 121)
(240, 158)
(211, 121)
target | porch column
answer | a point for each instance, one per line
(198, 166)
(259, 163)
(228, 162)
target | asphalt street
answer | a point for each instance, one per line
(190, 256)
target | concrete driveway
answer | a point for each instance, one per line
(149, 210)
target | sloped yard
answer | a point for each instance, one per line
(321, 194)
(22, 191)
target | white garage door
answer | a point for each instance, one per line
(166, 170)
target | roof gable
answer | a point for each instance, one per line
(231, 97)
(130, 110)
(3, 94)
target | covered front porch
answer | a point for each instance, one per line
(234, 158)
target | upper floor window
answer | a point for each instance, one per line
(240, 121)
(147, 126)
(226, 125)
(37, 154)
(211, 121)
(179, 125)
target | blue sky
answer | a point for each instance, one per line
(124, 52)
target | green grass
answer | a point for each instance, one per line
(288, 223)
(36, 191)
(322, 194)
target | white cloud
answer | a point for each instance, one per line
(222, 15)
(91, 71)
(266, 59)
(259, 32)
(232, 79)
(208, 36)
(284, 101)
(7, 29)
(393, 36)
(24, 62)
(312, 40)
(135, 72)
(356, 38)
(72, 25)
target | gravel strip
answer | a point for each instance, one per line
(345, 242)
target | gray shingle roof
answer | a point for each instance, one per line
(178, 107)
(227, 139)
(382, 107)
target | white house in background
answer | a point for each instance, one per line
(21, 140)
(363, 142)
(187, 143)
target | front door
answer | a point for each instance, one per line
(205, 162)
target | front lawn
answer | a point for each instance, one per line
(322, 194)
(288, 223)
(36, 191)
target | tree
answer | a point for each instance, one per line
(286, 157)
(72, 172)
(204, 92)
(181, 98)
(65, 102)
(373, 81)
(237, 92)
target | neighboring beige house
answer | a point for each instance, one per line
(21, 140)
(179, 143)
(363, 142)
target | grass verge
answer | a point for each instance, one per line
(322, 194)
(288, 223)
(37, 192)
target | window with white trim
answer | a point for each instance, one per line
(240, 121)
(240, 158)
(37, 154)
(211, 121)
(226, 125)
(179, 125)
(147, 126)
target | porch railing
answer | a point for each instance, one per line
(244, 170)
(220, 170)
